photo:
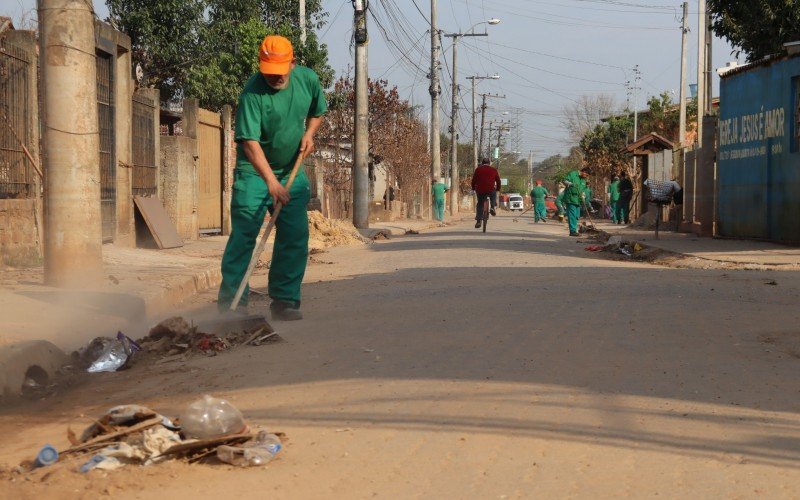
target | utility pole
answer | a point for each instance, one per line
(436, 152)
(302, 23)
(702, 31)
(73, 254)
(454, 173)
(530, 171)
(682, 93)
(483, 119)
(709, 64)
(361, 146)
(474, 117)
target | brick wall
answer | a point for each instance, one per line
(18, 233)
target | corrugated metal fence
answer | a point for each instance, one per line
(16, 173)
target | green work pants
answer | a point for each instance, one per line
(613, 206)
(438, 210)
(249, 204)
(573, 217)
(623, 210)
(539, 211)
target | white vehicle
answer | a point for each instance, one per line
(515, 202)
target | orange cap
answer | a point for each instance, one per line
(538, 183)
(275, 56)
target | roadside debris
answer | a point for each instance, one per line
(130, 435)
(210, 417)
(116, 354)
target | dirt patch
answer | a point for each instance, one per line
(326, 233)
(788, 342)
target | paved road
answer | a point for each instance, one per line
(512, 364)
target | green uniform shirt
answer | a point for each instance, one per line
(613, 191)
(572, 194)
(277, 118)
(539, 193)
(438, 191)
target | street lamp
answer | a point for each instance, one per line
(454, 174)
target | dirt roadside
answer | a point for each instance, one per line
(505, 365)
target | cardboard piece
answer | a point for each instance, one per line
(158, 222)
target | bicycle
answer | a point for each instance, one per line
(486, 205)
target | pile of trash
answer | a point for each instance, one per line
(615, 244)
(174, 339)
(326, 233)
(209, 429)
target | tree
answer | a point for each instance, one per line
(165, 38)
(209, 48)
(583, 115)
(756, 28)
(603, 147)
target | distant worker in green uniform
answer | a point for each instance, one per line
(574, 197)
(587, 198)
(279, 111)
(539, 194)
(439, 189)
(613, 198)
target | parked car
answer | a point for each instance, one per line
(515, 202)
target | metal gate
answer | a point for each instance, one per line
(16, 176)
(209, 139)
(105, 118)
(144, 151)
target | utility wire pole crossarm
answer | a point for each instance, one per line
(361, 146)
(475, 117)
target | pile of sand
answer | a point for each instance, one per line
(326, 233)
(646, 221)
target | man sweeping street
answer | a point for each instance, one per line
(539, 194)
(574, 197)
(613, 198)
(279, 111)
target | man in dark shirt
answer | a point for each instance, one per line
(485, 182)
(624, 203)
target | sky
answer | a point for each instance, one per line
(547, 52)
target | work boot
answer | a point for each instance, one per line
(575, 234)
(477, 224)
(491, 211)
(283, 310)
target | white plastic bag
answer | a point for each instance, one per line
(210, 417)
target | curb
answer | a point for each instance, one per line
(37, 359)
(180, 289)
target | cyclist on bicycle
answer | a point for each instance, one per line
(485, 182)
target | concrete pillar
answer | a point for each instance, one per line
(123, 125)
(228, 163)
(73, 236)
(191, 118)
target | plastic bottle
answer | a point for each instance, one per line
(210, 417)
(48, 455)
(257, 452)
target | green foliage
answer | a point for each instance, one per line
(164, 38)
(757, 28)
(209, 48)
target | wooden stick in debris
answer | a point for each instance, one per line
(114, 435)
(255, 335)
(207, 443)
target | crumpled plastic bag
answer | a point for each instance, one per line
(115, 355)
(210, 417)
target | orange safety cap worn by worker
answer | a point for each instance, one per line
(275, 56)
(538, 183)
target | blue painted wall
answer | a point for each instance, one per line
(758, 156)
